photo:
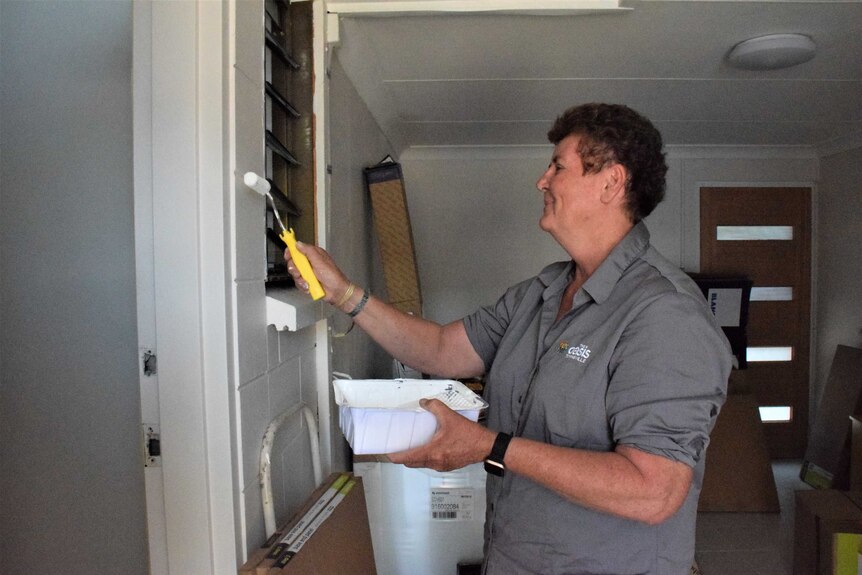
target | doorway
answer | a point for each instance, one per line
(764, 234)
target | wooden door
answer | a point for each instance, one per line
(765, 235)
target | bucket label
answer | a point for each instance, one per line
(452, 504)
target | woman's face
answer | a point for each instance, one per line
(571, 198)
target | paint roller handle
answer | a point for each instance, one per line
(262, 187)
(314, 287)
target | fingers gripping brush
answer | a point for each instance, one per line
(261, 186)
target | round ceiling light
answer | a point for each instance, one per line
(772, 52)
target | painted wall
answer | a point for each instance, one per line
(475, 214)
(277, 369)
(839, 275)
(69, 400)
(357, 143)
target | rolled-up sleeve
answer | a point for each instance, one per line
(486, 326)
(668, 379)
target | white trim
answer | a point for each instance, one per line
(288, 308)
(333, 33)
(235, 414)
(476, 152)
(673, 152)
(753, 184)
(537, 7)
(840, 145)
(177, 295)
(325, 415)
(814, 302)
(741, 152)
(144, 270)
(214, 181)
(320, 105)
(191, 284)
(767, 1)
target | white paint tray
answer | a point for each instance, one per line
(383, 415)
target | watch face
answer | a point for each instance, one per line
(494, 462)
(494, 468)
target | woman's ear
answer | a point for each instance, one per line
(615, 184)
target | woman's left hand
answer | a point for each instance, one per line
(458, 442)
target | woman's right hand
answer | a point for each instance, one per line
(333, 281)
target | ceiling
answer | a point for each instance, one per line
(499, 79)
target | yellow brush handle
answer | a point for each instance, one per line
(302, 265)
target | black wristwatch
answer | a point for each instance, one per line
(494, 462)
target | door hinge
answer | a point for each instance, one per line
(152, 445)
(151, 366)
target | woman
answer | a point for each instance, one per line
(604, 374)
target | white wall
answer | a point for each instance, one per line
(839, 273)
(69, 403)
(475, 213)
(357, 143)
(277, 369)
(274, 371)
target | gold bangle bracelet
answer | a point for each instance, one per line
(346, 296)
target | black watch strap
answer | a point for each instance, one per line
(494, 461)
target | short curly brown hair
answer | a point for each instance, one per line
(613, 133)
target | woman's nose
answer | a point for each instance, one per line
(542, 184)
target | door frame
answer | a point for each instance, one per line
(181, 181)
(142, 138)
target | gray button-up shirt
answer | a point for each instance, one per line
(639, 361)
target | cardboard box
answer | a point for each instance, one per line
(339, 545)
(856, 452)
(738, 475)
(847, 554)
(819, 515)
(826, 462)
(383, 415)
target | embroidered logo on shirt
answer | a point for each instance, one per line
(579, 353)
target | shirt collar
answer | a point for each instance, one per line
(602, 282)
(556, 276)
(630, 248)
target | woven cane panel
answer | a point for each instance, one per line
(395, 238)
